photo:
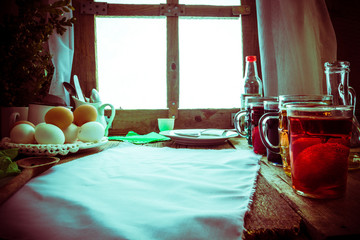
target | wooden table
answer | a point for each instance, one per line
(276, 211)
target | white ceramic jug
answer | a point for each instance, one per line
(100, 109)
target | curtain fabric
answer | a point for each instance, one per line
(296, 38)
(62, 51)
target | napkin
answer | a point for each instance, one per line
(136, 192)
(135, 138)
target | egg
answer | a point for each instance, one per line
(24, 121)
(71, 133)
(91, 132)
(84, 113)
(22, 133)
(49, 134)
(61, 117)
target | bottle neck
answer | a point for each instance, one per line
(251, 69)
(337, 81)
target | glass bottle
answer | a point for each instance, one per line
(252, 83)
(337, 82)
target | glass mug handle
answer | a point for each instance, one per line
(352, 96)
(263, 131)
(241, 129)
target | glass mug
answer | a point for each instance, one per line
(242, 119)
(319, 149)
(284, 100)
(256, 111)
(269, 128)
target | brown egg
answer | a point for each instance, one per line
(84, 113)
(61, 117)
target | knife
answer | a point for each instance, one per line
(222, 133)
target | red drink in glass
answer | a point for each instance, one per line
(319, 150)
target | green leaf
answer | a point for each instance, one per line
(11, 153)
(12, 169)
(7, 166)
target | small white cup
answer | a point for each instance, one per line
(37, 113)
(165, 124)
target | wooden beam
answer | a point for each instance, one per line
(145, 121)
(215, 11)
(190, 10)
(172, 66)
(133, 10)
(250, 34)
(84, 65)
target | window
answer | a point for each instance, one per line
(210, 63)
(131, 62)
(177, 56)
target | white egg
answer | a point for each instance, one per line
(71, 133)
(49, 134)
(22, 133)
(91, 132)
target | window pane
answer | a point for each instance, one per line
(131, 54)
(211, 2)
(133, 1)
(210, 63)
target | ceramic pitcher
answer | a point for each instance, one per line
(101, 113)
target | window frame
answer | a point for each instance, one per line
(145, 120)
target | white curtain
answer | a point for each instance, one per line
(62, 49)
(296, 38)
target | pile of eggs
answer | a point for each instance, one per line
(61, 126)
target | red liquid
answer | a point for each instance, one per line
(319, 150)
(256, 111)
(259, 147)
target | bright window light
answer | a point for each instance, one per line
(133, 1)
(210, 63)
(131, 62)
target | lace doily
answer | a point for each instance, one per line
(50, 149)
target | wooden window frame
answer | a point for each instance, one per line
(145, 121)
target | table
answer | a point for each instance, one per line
(276, 211)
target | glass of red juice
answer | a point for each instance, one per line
(256, 111)
(319, 149)
(269, 134)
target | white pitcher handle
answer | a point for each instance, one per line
(112, 116)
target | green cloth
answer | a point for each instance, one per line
(133, 137)
(7, 166)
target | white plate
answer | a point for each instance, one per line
(51, 149)
(207, 136)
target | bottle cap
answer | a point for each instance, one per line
(250, 58)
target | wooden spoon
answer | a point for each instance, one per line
(32, 167)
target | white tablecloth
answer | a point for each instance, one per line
(136, 192)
